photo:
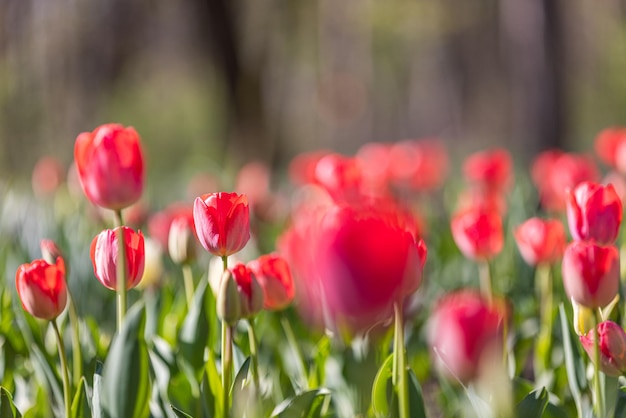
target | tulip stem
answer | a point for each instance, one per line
(291, 337)
(188, 281)
(597, 385)
(227, 365)
(543, 347)
(400, 362)
(121, 279)
(254, 354)
(77, 359)
(484, 272)
(66, 376)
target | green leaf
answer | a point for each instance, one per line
(96, 407)
(380, 388)
(241, 378)
(207, 399)
(211, 389)
(80, 406)
(573, 362)
(533, 404)
(194, 333)
(180, 413)
(7, 407)
(620, 407)
(416, 399)
(300, 405)
(126, 379)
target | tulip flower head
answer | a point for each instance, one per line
(104, 256)
(478, 233)
(492, 169)
(541, 241)
(463, 329)
(594, 212)
(591, 273)
(222, 222)
(274, 276)
(610, 145)
(182, 240)
(110, 166)
(42, 288)
(612, 344)
(240, 295)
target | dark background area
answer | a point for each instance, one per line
(212, 84)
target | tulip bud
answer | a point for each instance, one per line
(274, 277)
(541, 241)
(590, 273)
(594, 212)
(584, 318)
(182, 241)
(612, 344)
(50, 251)
(249, 289)
(153, 265)
(228, 303)
(104, 256)
(478, 233)
(42, 288)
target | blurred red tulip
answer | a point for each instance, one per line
(367, 258)
(612, 344)
(463, 331)
(491, 169)
(50, 251)
(374, 159)
(478, 233)
(159, 224)
(302, 167)
(104, 257)
(554, 172)
(594, 212)
(610, 145)
(110, 166)
(182, 240)
(222, 222)
(274, 276)
(253, 180)
(478, 198)
(48, 175)
(341, 176)
(42, 289)
(591, 273)
(541, 241)
(420, 164)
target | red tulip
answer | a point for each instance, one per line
(104, 257)
(594, 212)
(274, 276)
(341, 176)
(420, 164)
(478, 233)
(541, 241)
(239, 295)
(110, 166)
(610, 145)
(160, 223)
(48, 175)
(591, 273)
(463, 330)
(492, 169)
(42, 288)
(302, 167)
(222, 222)
(554, 172)
(367, 258)
(612, 344)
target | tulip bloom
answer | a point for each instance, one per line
(591, 273)
(541, 241)
(341, 176)
(478, 233)
(274, 276)
(42, 289)
(104, 256)
(612, 344)
(492, 169)
(110, 166)
(420, 164)
(463, 329)
(610, 145)
(594, 212)
(222, 222)
(367, 259)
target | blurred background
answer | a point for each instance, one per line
(212, 84)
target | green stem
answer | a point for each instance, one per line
(544, 289)
(121, 278)
(597, 386)
(401, 382)
(485, 280)
(253, 354)
(188, 281)
(227, 365)
(77, 360)
(66, 376)
(291, 338)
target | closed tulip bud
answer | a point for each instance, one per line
(541, 241)
(591, 273)
(153, 265)
(478, 233)
(274, 277)
(182, 241)
(584, 318)
(222, 222)
(42, 288)
(250, 292)
(104, 256)
(228, 303)
(110, 166)
(612, 345)
(594, 212)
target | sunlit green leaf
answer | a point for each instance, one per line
(80, 405)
